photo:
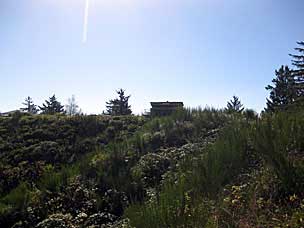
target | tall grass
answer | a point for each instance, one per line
(16, 199)
(221, 161)
(279, 140)
(174, 206)
(182, 203)
(55, 180)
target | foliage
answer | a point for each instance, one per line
(150, 169)
(279, 140)
(17, 198)
(283, 92)
(223, 160)
(53, 180)
(195, 168)
(51, 106)
(180, 201)
(49, 139)
(234, 105)
(172, 207)
(119, 106)
(298, 62)
(250, 114)
(30, 107)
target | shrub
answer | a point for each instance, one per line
(174, 206)
(157, 140)
(150, 169)
(250, 114)
(110, 132)
(55, 180)
(18, 197)
(84, 146)
(48, 151)
(278, 140)
(181, 201)
(220, 162)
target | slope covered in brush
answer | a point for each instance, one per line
(196, 168)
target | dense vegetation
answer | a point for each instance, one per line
(196, 168)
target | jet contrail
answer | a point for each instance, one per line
(85, 24)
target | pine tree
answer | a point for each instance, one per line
(120, 105)
(298, 62)
(234, 105)
(283, 92)
(52, 106)
(72, 107)
(30, 107)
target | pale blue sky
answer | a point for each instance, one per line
(201, 52)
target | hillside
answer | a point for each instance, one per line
(196, 168)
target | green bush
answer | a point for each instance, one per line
(182, 202)
(150, 168)
(279, 140)
(157, 140)
(55, 180)
(174, 206)
(18, 197)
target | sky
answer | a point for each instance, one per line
(201, 52)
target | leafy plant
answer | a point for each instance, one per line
(278, 139)
(18, 197)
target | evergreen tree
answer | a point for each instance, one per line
(298, 62)
(72, 107)
(120, 105)
(30, 107)
(234, 105)
(52, 106)
(283, 91)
